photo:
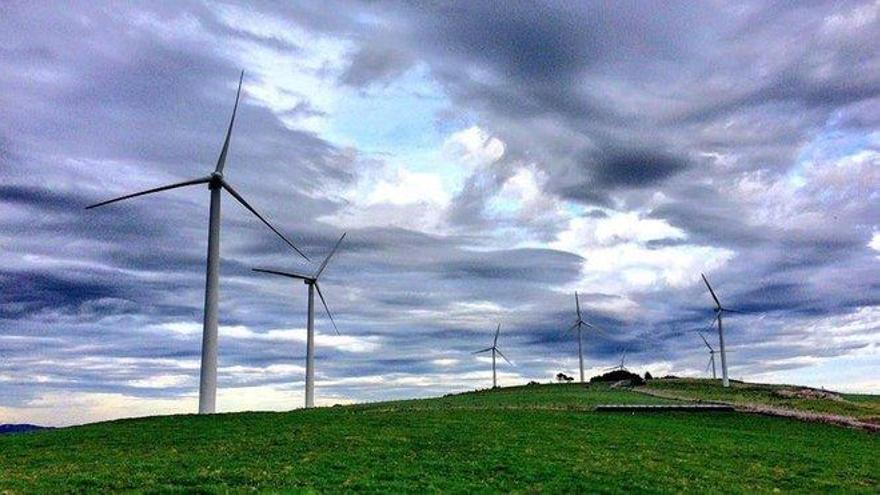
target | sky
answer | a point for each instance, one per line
(486, 159)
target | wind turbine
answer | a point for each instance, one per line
(621, 366)
(494, 350)
(719, 312)
(578, 324)
(711, 357)
(312, 282)
(216, 182)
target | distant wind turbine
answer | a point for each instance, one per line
(577, 325)
(621, 366)
(494, 350)
(216, 182)
(719, 312)
(711, 357)
(312, 282)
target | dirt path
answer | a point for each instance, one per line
(772, 411)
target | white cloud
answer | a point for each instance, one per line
(162, 381)
(345, 343)
(406, 188)
(394, 196)
(616, 228)
(473, 147)
(875, 242)
(287, 80)
(618, 260)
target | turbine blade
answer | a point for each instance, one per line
(283, 274)
(318, 288)
(717, 302)
(598, 329)
(577, 304)
(712, 323)
(193, 182)
(705, 341)
(327, 259)
(573, 326)
(241, 200)
(726, 310)
(482, 350)
(221, 161)
(502, 355)
(495, 342)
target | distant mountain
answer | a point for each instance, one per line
(21, 428)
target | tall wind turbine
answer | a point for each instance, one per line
(577, 325)
(494, 350)
(719, 312)
(711, 357)
(312, 282)
(216, 182)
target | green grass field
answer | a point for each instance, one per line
(858, 406)
(524, 439)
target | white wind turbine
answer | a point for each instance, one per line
(621, 366)
(312, 282)
(577, 325)
(711, 357)
(216, 182)
(719, 311)
(494, 350)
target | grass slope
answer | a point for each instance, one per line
(858, 406)
(523, 439)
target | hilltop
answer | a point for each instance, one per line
(544, 438)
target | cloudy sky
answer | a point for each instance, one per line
(486, 160)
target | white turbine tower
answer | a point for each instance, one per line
(312, 282)
(494, 350)
(719, 311)
(711, 357)
(216, 182)
(577, 325)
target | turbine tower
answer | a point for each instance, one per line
(577, 325)
(215, 182)
(719, 312)
(711, 357)
(494, 350)
(312, 282)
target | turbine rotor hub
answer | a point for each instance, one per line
(216, 180)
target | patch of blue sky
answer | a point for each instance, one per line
(575, 210)
(831, 144)
(503, 207)
(402, 123)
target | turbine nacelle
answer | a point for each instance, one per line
(311, 280)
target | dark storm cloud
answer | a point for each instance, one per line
(524, 265)
(373, 64)
(635, 168)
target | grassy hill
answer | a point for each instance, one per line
(861, 407)
(524, 439)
